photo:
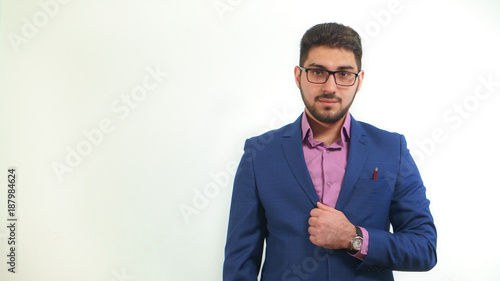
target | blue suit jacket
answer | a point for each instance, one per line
(273, 195)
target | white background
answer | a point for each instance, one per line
(115, 213)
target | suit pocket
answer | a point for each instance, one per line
(372, 184)
(370, 202)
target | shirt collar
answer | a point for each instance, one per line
(307, 134)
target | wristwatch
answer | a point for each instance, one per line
(356, 242)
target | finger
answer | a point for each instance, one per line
(313, 240)
(327, 208)
(316, 212)
(312, 230)
(313, 221)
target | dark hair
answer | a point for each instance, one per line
(333, 35)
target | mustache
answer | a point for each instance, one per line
(329, 96)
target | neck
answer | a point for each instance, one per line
(325, 132)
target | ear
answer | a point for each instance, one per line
(297, 73)
(361, 77)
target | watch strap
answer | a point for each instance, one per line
(359, 232)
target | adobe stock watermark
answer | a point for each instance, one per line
(121, 275)
(121, 107)
(31, 26)
(454, 116)
(222, 179)
(380, 19)
(309, 265)
(222, 7)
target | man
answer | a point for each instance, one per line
(323, 191)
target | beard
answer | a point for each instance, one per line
(327, 115)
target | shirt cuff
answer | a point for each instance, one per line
(363, 252)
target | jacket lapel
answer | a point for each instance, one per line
(292, 148)
(358, 148)
(294, 154)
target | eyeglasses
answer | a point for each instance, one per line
(320, 76)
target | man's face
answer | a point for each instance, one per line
(328, 102)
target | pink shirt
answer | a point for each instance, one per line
(333, 159)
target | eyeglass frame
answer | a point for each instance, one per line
(329, 74)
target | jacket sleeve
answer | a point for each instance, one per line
(247, 224)
(412, 246)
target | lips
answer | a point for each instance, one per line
(328, 102)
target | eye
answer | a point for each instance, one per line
(317, 72)
(343, 74)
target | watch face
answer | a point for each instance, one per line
(356, 243)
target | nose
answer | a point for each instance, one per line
(330, 86)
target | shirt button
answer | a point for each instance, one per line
(329, 183)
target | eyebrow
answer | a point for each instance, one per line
(342, 67)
